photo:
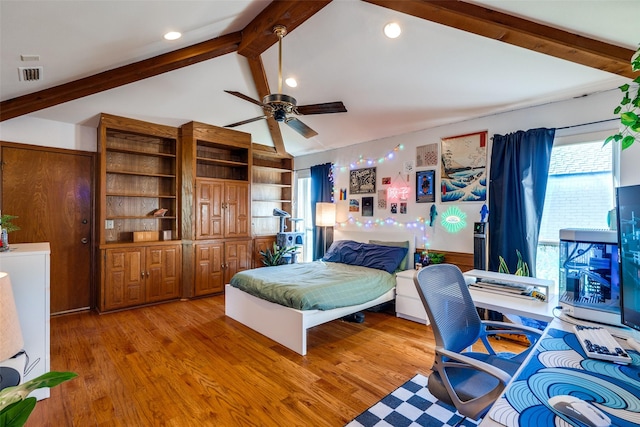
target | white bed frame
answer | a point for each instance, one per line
(285, 325)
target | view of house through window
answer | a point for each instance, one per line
(580, 193)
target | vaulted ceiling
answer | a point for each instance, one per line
(453, 61)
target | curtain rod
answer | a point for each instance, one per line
(586, 124)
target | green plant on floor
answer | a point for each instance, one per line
(522, 269)
(277, 255)
(6, 224)
(15, 403)
(629, 109)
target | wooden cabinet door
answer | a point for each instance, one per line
(238, 257)
(209, 212)
(236, 210)
(209, 268)
(123, 282)
(162, 272)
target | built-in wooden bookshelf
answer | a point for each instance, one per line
(271, 188)
(139, 176)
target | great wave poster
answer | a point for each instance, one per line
(463, 171)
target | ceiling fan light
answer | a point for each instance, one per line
(172, 35)
(392, 30)
(291, 82)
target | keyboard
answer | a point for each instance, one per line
(598, 343)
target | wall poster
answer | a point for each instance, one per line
(425, 186)
(463, 171)
(362, 181)
(427, 155)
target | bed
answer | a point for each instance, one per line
(283, 302)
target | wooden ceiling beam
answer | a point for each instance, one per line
(258, 35)
(119, 76)
(519, 32)
(262, 86)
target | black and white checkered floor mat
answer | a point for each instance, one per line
(410, 405)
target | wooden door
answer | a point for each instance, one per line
(209, 268)
(162, 272)
(51, 192)
(236, 210)
(124, 281)
(261, 244)
(238, 257)
(209, 199)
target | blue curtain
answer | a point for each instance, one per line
(517, 187)
(321, 191)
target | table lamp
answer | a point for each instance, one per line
(11, 341)
(325, 217)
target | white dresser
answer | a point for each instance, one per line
(28, 265)
(408, 303)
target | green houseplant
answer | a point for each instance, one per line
(7, 224)
(15, 403)
(522, 268)
(629, 109)
(277, 255)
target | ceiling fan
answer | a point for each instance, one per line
(281, 106)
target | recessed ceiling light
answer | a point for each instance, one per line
(291, 82)
(392, 30)
(172, 35)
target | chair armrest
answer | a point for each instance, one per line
(498, 373)
(512, 328)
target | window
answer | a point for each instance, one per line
(303, 211)
(580, 194)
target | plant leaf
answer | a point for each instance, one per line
(628, 141)
(16, 414)
(617, 110)
(628, 118)
(624, 87)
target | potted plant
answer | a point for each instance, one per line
(15, 403)
(7, 226)
(629, 109)
(277, 255)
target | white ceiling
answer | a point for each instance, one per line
(431, 75)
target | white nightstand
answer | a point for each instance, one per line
(408, 303)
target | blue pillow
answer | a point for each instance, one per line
(387, 258)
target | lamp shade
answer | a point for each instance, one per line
(325, 214)
(11, 341)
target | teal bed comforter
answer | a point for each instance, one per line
(317, 285)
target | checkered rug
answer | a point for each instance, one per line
(410, 405)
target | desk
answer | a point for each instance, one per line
(556, 367)
(409, 306)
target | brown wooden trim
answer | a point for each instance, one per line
(262, 86)
(258, 35)
(119, 76)
(463, 260)
(519, 32)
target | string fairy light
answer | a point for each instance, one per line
(367, 161)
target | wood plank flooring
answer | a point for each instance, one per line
(187, 364)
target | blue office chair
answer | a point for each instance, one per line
(470, 381)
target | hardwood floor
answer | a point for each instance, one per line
(187, 364)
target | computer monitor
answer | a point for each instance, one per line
(628, 219)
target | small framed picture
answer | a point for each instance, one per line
(425, 186)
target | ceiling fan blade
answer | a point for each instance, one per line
(300, 127)
(245, 97)
(244, 122)
(327, 107)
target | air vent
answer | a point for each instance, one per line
(30, 74)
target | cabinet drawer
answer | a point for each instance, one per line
(411, 308)
(406, 286)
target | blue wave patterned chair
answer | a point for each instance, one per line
(470, 381)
